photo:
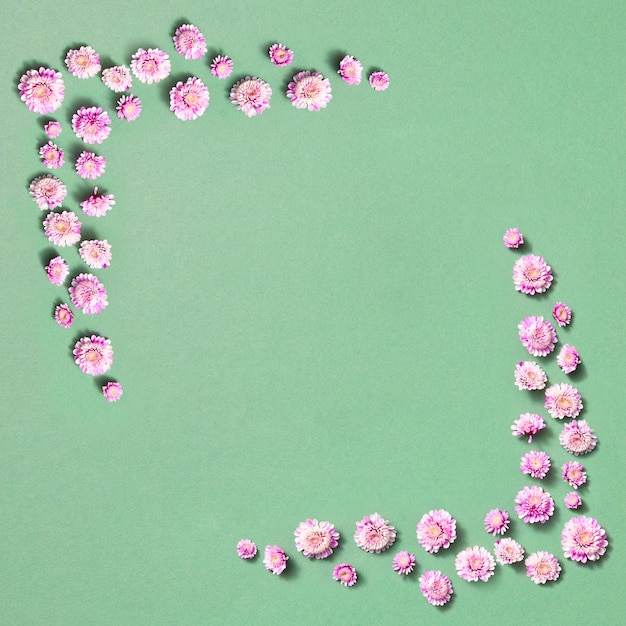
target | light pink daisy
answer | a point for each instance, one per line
(90, 165)
(473, 564)
(350, 70)
(246, 549)
(309, 90)
(117, 78)
(42, 90)
(52, 129)
(95, 253)
(97, 204)
(345, 574)
(404, 562)
(577, 438)
(222, 66)
(47, 191)
(112, 391)
(316, 539)
(529, 376)
(508, 551)
(534, 505)
(94, 355)
(150, 66)
(562, 314)
(374, 534)
(189, 41)
(435, 587)
(57, 270)
(275, 559)
(574, 474)
(436, 529)
(62, 229)
(51, 156)
(128, 108)
(92, 125)
(280, 55)
(513, 238)
(583, 539)
(189, 100)
(497, 522)
(563, 400)
(535, 464)
(379, 81)
(572, 500)
(568, 359)
(541, 567)
(251, 95)
(537, 336)
(83, 63)
(88, 293)
(531, 274)
(63, 315)
(527, 425)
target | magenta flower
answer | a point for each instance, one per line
(577, 438)
(473, 564)
(90, 165)
(535, 464)
(572, 500)
(117, 78)
(497, 522)
(42, 90)
(52, 129)
(513, 238)
(345, 574)
(189, 42)
(316, 539)
(128, 108)
(309, 90)
(83, 63)
(508, 551)
(275, 560)
(63, 315)
(534, 505)
(436, 529)
(531, 274)
(88, 293)
(112, 391)
(51, 156)
(574, 474)
(251, 95)
(537, 336)
(57, 270)
(47, 191)
(62, 229)
(562, 314)
(350, 70)
(374, 534)
(563, 400)
(97, 204)
(280, 55)
(94, 355)
(568, 359)
(541, 567)
(529, 376)
(246, 549)
(92, 124)
(527, 425)
(435, 587)
(222, 66)
(379, 81)
(404, 562)
(150, 66)
(189, 100)
(583, 539)
(95, 253)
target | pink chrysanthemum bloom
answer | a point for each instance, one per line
(88, 293)
(527, 425)
(316, 539)
(350, 70)
(112, 391)
(280, 55)
(537, 336)
(128, 108)
(404, 562)
(583, 539)
(42, 90)
(563, 400)
(90, 165)
(535, 464)
(513, 238)
(57, 270)
(246, 549)
(91, 124)
(47, 191)
(562, 314)
(63, 315)
(497, 522)
(117, 78)
(97, 204)
(572, 500)
(52, 129)
(189, 100)
(275, 559)
(534, 505)
(251, 95)
(94, 355)
(541, 567)
(473, 564)
(51, 156)
(95, 253)
(435, 587)
(62, 229)
(374, 534)
(379, 81)
(529, 376)
(309, 90)
(436, 529)
(568, 359)
(222, 66)
(531, 274)
(345, 574)
(577, 438)
(150, 66)
(83, 63)
(508, 551)
(189, 41)
(574, 474)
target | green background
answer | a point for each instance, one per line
(312, 313)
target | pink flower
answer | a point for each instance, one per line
(97, 204)
(189, 100)
(63, 315)
(246, 549)
(47, 191)
(529, 376)
(95, 253)
(577, 438)
(350, 70)
(541, 567)
(572, 500)
(574, 474)
(51, 156)
(42, 90)
(117, 78)
(379, 81)
(280, 55)
(568, 359)
(83, 63)
(404, 562)
(374, 534)
(92, 124)
(513, 238)
(473, 564)
(150, 66)
(535, 505)
(497, 522)
(275, 560)
(94, 355)
(537, 336)
(527, 425)
(222, 66)
(531, 274)
(57, 270)
(90, 165)
(189, 42)
(563, 400)
(583, 539)
(62, 229)
(535, 463)
(436, 529)
(251, 95)
(88, 293)
(112, 391)
(435, 587)
(316, 539)
(128, 108)
(508, 551)
(562, 314)
(52, 129)
(309, 90)
(345, 574)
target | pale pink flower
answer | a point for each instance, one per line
(583, 539)
(577, 438)
(563, 400)
(251, 95)
(91, 124)
(403, 562)
(90, 165)
(150, 66)
(374, 534)
(562, 314)
(222, 66)
(97, 204)
(379, 81)
(62, 229)
(51, 156)
(435, 587)
(350, 70)
(345, 574)
(275, 559)
(52, 129)
(94, 355)
(574, 474)
(112, 391)
(527, 425)
(542, 566)
(95, 253)
(63, 315)
(47, 191)
(42, 90)
(189, 100)
(309, 90)
(316, 539)
(568, 359)
(535, 464)
(246, 549)
(280, 55)
(189, 41)
(128, 108)
(83, 63)
(529, 376)
(537, 336)
(57, 270)
(572, 500)
(534, 505)
(513, 238)
(436, 529)
(88, 293)
(497, 522)
(473, 564)
(117, 78)
(508, 551)
(531, 274)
